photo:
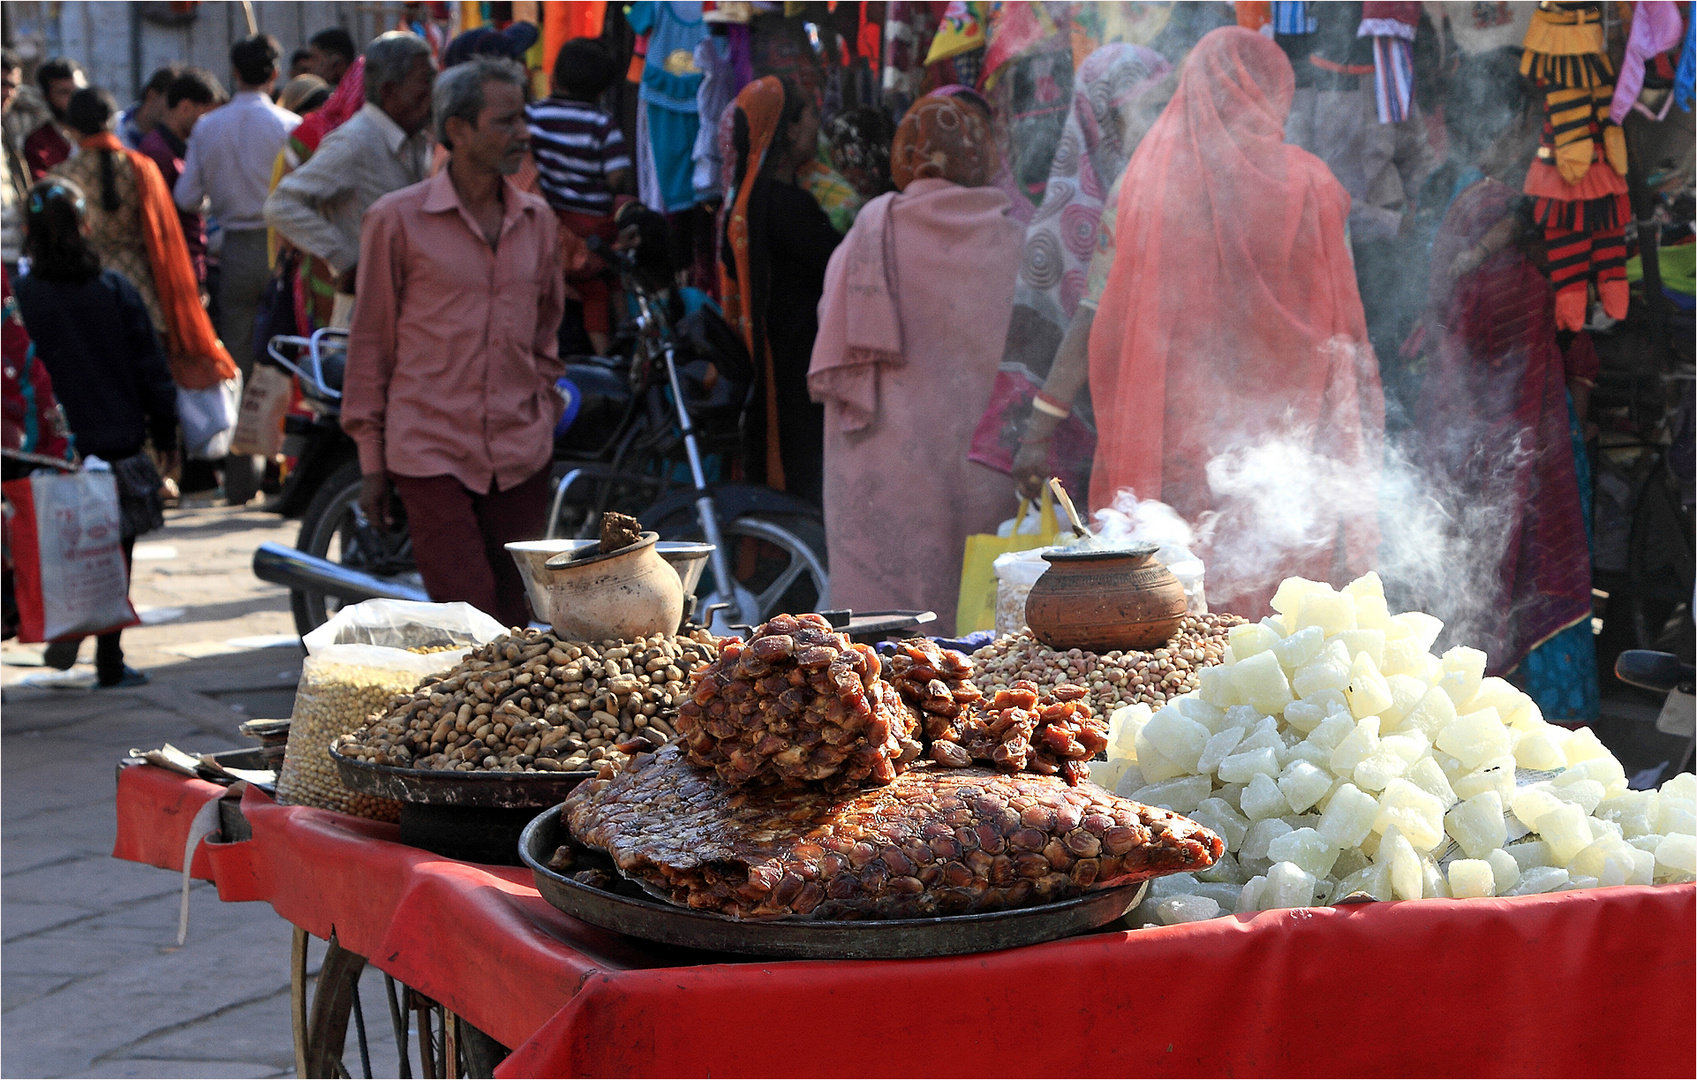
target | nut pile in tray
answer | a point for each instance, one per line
(530, 702)
(1115, 678)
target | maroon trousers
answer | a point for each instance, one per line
(457, 538)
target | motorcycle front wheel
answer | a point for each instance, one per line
(777, 560)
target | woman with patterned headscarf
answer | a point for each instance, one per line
(772, 270)
(1117, 94)
(911, 326)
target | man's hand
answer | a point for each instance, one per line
(374, 499)
(1031, 467)
(346, 280)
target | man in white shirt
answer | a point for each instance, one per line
(382, 148)
(228, 164)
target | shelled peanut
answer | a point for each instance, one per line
(1114, 678)
(530, 702)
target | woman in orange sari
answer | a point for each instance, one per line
(134, 228)
(1230, 350)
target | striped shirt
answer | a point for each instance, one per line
(577, 146)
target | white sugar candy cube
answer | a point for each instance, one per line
(1404, 656)
(1464, 670)
(1606, 828)
(1130, 780)
(1349, 817)
(1379, 768)
(1183, 909)
(1370, 643)
(1107, 773)
(1306, 848)
(1350, 859)
(1319, 757)
(1288, 596)
(1633, 811)
(1676, 855)
(1537, 749)
(1240, 768)
(1124, 723)
(1605, 770)
(1263, 735)
(1332, 612)
(1411, 746)
(1262, 798)
(1477, 824)
(1194, 708)
(1261, 682)
(1533, 801)
(1155, 765)
(1540, 879)
(1303, 716)
(1471, 877)
(1303, 784)
(1475, 738)
(1674, 814)
(1566, 829)
(1530, 853)
(1180, 795)
(1398, 856)
(1496, 775)
(1643, 868)
(1417, 815)
(1374, 880)
(1368, 693)
(1427, 775)
(1261, 834)
(1586, 794)
(1356, 746)
(1247, 639)
(1217, 749)
(1372, 614)
(1296, 650)
(1225, 871)
(1332, 731)
(1683, 786)
(1250, 896)
(1288, 885)
(1430, 715)
(1218, 815)
(1432, 879)
(1582, 882)
(1496, 693)
(1608, 859)
(1368, 584)
(1580, 744)
(1170, 885)
(1424, 627)
(1406, 692)
(1505, 870)
(1327, 671)
(1179, 739)
(1216, 686)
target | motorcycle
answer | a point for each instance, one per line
(648, 431)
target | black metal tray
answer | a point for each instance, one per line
(433, 787)
(891, 939)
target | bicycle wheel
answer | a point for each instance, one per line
(330, 531)
(778, 562)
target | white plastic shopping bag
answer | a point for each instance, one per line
(68, 562)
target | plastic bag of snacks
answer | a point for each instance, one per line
(355, 662)
(1016, 573)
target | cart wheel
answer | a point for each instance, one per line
(448, 1046)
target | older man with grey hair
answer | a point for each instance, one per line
(452, 358)
(382, 148)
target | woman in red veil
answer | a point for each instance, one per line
(1229, 362)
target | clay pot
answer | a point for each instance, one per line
(632, 592)
(1105, 600)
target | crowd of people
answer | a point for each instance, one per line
(1217, 256)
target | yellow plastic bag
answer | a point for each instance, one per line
(977, 607)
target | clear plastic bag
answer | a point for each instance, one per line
(355, 662)
(1016, 573)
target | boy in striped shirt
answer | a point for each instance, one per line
(582, 162)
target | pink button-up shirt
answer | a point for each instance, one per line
(453, 353)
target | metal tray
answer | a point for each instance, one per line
(490, 790)
(892, 939)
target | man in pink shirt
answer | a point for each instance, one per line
(452, 354)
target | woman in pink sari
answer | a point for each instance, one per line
(911, 327)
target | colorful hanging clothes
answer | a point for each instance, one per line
(670, 79)
(1203, 321)
(961, 31)
(1392, 27)
(1656, 28)
(1577, 181)
(1493, 434)
(1058, 247)
(1685, 79)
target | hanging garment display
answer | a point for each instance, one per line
(670, 79)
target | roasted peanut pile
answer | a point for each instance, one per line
(1115, 678)
(529, 702)
(332, 700)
